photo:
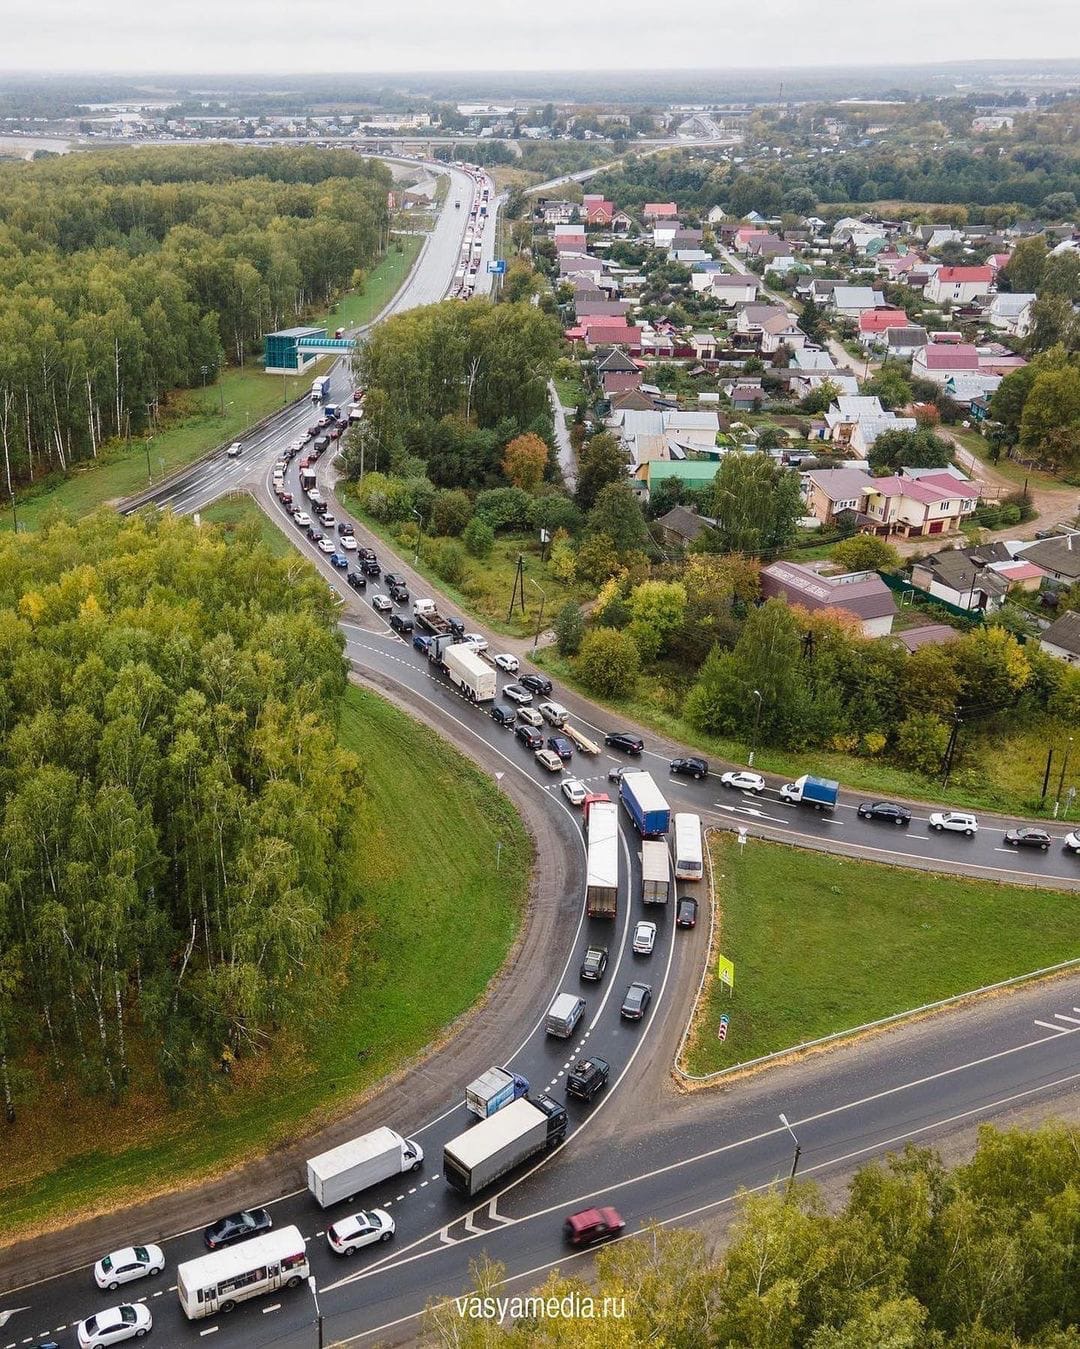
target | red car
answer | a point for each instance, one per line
(591, 1225)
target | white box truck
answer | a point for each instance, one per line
(346, 1170)
(469, 672)
(655, 872)
(489, 1149)
(320, 388)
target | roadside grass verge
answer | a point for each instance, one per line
(381, 284)
(436, 921)
(1005, 467)
(824, 943)
(237, 513)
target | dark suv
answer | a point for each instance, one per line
(400, 623)
(594, 963)
(536, 684)
(529, 737)
(587, 1078)
(691, 768)
(357, 581)
(502, 716)
(629, 744)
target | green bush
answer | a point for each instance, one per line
(609, 663)
(450, 562)
(478, 537)
(569, 629)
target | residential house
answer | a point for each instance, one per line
(580, 264)
(851, 301)
(609, 332)
(766, 245)
(659, 210)
(570, 239)
(680, 527)
(633, 400)
(781, 330)
(831, 492)
(863, 594)
(730, 290)
(1059, 557)
(746, 397)
(692, 473)
(958, 285)
(902, 343)
(743, 235)
(666, 433)
(912, 507)
(896, 265)
(687, 237)
(875, 323)
(854, 422)
(617, 372)
(1062, 637)
(968, 385)
(663, 236)
(939, 360)
(968, 578)
(752, 317)
(585, 308)
(556, 212)
(596, 210)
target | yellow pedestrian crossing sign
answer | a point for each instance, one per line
(725, 971)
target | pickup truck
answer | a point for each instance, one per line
(821, 793)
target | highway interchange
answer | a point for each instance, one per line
(653, 1152)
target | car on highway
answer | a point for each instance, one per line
(345, 527)
(592, 1225)
(644, 938)
(393, 578)
(686, 913)
(297, 445)
(477, 640)
(235, 450)
(302, 519)
(517, 694)
(530, 716)
(635, 1003)
(529, 738)
(237, 1227)
(370, 566)
(327, 546)
(338, 560)
(328, 521)
(347, 542)
(691, 767)
(129, 1321)
(559, 745)
(348, 1235)
(887, 811)
(399, 594)
(401, 623)
(286, 498)
(537, 684)
(575, 791)
(1028, 837)
(955, 821)
(382, 603)
(507, 662)
(593, 963)
(624, 740)
(133, 1262)
(547, 758)
(615, 773)
(1072, 841)
(357, 581)
(587, 1077)
(502, 716)
(368, 554)
(742, 780)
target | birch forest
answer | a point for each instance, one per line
(174, 801)
(127, 274)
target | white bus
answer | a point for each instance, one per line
(688, 848)
(217, 1282)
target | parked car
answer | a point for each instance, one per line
(575, 791)
(888, 811)
(629, 744)
(381, 603)
(357, 581)
(328, 546)
(516, 693)
(644, 938)
(635, 1003)
(691, 767)
(507, 662)
(529, 738)
(587, 1077)
(237, 1227)
(502, 716)
(133, 1262)
(235, 450)
(561, 746)
(592, 1225)
(686, 914)
(537, 684)
(594, 963)
(743, 780)
(129, 1321)
(548, 759)
(348, 1235)
(400, 623)
(530, 716)
(956, 821)
(1027, 837)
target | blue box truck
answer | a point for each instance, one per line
(645, 802)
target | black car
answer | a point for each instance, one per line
(319, 446)
(502, 716)
(629, 744)
(587, 1078)
(315, 535)
(536, 684)
(529, 738)
(1026, 837)
(888, 811)
(594, 963)
(357, 581)
(344, 528)
(686, 915)
(638, 997)
(237, 1227)
(691, 768)
(366, 554)
(399, 594)
(393, 579)
(400, 623)
(457, 627)
(370, 567)
(561, 746)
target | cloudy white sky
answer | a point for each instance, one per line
(368, 36)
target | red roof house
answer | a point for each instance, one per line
(660, 210)
(937, 357)
(958, 285)
(878, 320)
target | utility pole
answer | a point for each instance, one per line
(951, 750)
(1046, 776)
(318, 1311)
(540, 615)
(757, 721)
(1061, 776)
(519, 588)
(419, 533)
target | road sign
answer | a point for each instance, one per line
(497, 266)
(725, 971)
(721, 1030)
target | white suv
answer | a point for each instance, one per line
(958, 821)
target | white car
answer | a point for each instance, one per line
(1072, 841)
(530, 716)
(297, 445)
(743, 781)
(520, 695)
(302, 519)
(133, 1262)
(382, 603)
(347, 1235)
(327, 546)
(956, 821)
(575, 791)
(474, 639)
(235, 450)
(644, 939)
(129, 1321)
(327, 520)
(507, 662)
(347, 543)
(547, 758)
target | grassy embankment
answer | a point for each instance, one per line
(380, 1004)
(193, 422)
(822, 944)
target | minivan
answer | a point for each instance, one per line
(563, 1015)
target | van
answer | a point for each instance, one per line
(554, 713)
(563, 1015)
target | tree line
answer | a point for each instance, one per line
(126, 275)
(174, 800)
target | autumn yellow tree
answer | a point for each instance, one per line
(525, 460)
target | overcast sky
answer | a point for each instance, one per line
(369, 36)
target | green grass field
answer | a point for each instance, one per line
(427, 941)
(237, 512)
(382, 284)
(822, 944)
(571, 392)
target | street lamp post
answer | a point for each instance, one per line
(1061, 775)
(419, 533)
(798, 1149)
(540, 615)
(318, 1313)
(757, 721)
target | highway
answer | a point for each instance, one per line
(652, 1151)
